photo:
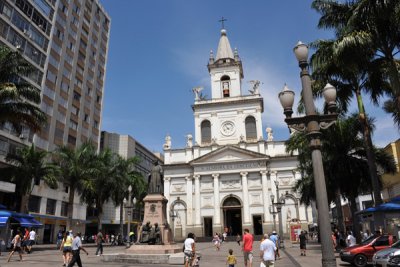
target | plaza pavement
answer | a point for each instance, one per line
(46, 256)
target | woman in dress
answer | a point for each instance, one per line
(217, 241)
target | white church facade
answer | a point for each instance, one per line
(224, 178)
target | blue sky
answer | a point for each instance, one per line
(159, 51)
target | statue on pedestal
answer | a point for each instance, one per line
(155, 180)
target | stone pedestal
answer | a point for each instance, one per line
(155, 211)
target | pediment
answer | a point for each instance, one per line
(229, 154)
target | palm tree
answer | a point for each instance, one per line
(351, 72)
(77, 169)
(126, 175)
(99, 187)
(19, 100)
(344, 159)
(28, 167)
(368, 25)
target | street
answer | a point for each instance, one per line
(290, 256)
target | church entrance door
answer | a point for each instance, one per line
(232, 216)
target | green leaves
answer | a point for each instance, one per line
(19, 100)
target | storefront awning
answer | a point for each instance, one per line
(25, 220)
(385, 207)
(28, 222)
(3, 221)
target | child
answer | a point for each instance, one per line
(231, 259)
(238, 238)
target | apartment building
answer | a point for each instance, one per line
(67, 42)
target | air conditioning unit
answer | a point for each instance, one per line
(22, 136)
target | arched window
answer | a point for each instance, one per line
(226, 82)
(251, 129)
(206, 132)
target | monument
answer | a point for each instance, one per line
(155, 242)
(155, 233)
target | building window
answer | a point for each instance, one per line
(64, 209)
(34, 204)
(251, 129)
(86, 118)
(96, 124)
(71, 140)
(225, 81)
(206, 132)
(51, 206)
(77, 96)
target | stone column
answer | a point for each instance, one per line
(246, 208)
(189, 200)
(265, 194)
(167, 186)
(198, 230)
(217, 209)
(197, 199)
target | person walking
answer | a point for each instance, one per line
(66, 248)
(350, 240)
(76, 247)
(16, 246)
(303, 240)
(267, 251)
(217, 241)
(60, 236)
(31, 242)
(189, 249)
(275, 238)
(247, 248)
(99, 242)
(231, 259)
(238, 238)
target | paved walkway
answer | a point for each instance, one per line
(46, 256)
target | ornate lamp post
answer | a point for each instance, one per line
(128, 209)
(311, 123)
(173, 214)
(272, 210)
(278, 205)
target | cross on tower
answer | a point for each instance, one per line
(222, 20)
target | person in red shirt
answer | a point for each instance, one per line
(247, 248)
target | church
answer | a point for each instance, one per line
(228, 175)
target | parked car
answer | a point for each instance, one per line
(394, 261)
(360, 255)
(381, 258)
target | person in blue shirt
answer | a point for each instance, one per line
(275, 238)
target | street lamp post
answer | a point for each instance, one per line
(279, 204)
(272, 211)
(173, 214)
(311, 123)
(128, 208)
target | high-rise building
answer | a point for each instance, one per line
(67, 42)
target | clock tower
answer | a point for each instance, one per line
(229, 117)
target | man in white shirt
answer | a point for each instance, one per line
(31, 242)
(350, 240)
(189, 249)
(267, 251)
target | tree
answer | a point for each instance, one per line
(344, 160)
(352, 71)
(19, 100)
(77, 169)
(99, 187)
(28, 167)
(368, 25)
(126, 175)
